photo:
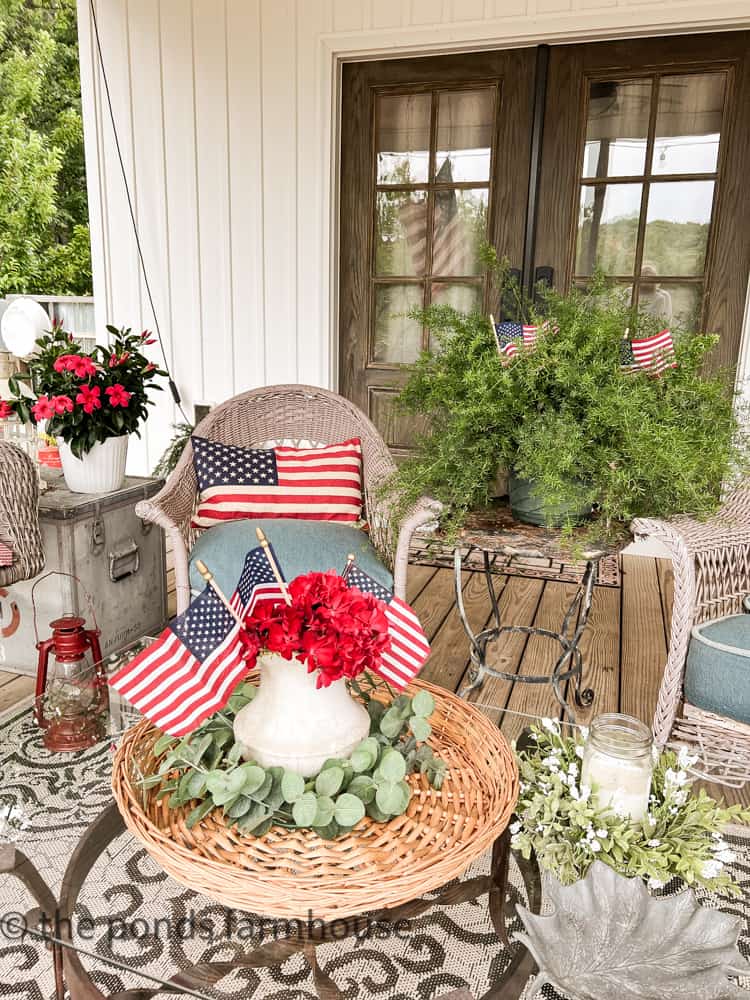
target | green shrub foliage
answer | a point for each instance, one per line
(565, 414)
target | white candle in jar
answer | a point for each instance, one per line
(617, 765)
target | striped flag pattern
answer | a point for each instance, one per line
(409, 645)
(652, 354)
(323, 484)
(6, 554)
(190, 671)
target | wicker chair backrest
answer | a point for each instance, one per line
(19, 514)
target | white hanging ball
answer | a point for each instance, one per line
(22, 323)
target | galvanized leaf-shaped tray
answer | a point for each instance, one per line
(609, 939)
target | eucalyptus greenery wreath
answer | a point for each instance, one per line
(565, 415)
(206, 768)
(559, 821)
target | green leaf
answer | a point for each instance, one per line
(423, 704)
(163, 743)
(392, 766)
(196, 787)
(292, 786)
(329, 781)
(251, 778)
(393, 797)
(420, 727)
(362, 760)
(198, 813)
(257, 825)
(239, 807)
(329, 832)
(349, 809)
(376, 813)
(234, 755)
(363, 787)
(305, 809)
(324, 811)
(402, 706)
(391, 724)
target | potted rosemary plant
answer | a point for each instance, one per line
(576, 421)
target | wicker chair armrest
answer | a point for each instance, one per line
(424, 514)
(671, 535)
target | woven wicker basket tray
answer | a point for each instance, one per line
(290, 873)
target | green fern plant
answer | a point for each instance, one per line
(566, 416)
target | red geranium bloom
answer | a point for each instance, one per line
(334, 629)
(43, 409)
(6, 410)
(89, 398)
(118, 395)
(62, 404)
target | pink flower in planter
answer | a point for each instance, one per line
(147, 338)
(118, 395)
(89, 398)
(81, 365)
(62, 404)
(43, 409)
(6, 410)
(116, 360)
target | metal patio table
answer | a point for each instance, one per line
(525, 550)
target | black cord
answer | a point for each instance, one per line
(172, 386)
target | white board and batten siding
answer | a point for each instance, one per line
(226, 112)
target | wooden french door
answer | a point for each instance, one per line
(644, 168)
(430, 166)
(628, 156)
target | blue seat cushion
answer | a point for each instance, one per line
(717, 673)
(300, 547)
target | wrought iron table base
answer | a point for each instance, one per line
(569, 664)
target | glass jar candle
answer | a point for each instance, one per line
(618, 765)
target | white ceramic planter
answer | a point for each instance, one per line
(290, 723)
(101, 470)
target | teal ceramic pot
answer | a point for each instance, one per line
(527, 507)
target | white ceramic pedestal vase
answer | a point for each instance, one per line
(101, 470)
(290, 723)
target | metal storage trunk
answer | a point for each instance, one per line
(118, 559)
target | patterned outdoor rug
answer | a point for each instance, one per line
(46, 801)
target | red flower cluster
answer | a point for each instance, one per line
(118, 395)
(51, 406)
(6, 410)
(81, 365)
(334, 629)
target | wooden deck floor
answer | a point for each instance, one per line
(624, 646)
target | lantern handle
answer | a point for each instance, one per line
(72, 576)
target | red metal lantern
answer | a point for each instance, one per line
(71, 686)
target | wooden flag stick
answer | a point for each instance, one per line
(492, 320)
(350, 559)
(208, 576)
(265, 545)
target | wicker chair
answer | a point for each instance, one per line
(711, 564)
(288, 413)
(19, 514)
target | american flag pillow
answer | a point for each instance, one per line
(317, 484)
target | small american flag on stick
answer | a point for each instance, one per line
(189, 672)
(512, 336)
(652, 354)
(409, 645)
(6, 554)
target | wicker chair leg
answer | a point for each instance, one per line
(683, 612)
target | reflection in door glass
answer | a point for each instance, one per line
(617, 128)
(401, 232)
(402, 142)
(677, 224)
(608, 228)
(688, 123)
(672, 303)
(460, 227)
(398, 338)
(464, 135)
